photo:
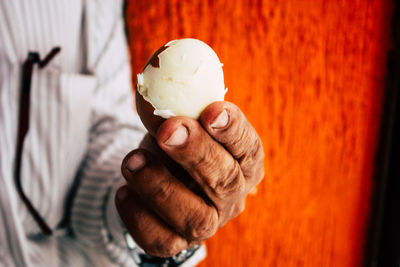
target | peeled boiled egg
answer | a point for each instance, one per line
(180, 79)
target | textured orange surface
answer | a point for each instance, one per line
(309, 75)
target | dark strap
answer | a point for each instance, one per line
(23, 126)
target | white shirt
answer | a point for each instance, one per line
(82, 124)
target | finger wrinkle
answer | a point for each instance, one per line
(253, 157)
(205, 164)
(239, 144)
(218, 172)
(201, 224)
(167, 246)
(162, 191)
(231, 185)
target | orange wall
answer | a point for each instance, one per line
(309, 75)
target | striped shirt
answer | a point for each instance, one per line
(81, 126)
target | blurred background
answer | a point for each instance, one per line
(310, 76)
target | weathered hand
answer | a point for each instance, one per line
(170, 205)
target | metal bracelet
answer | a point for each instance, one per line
(145, 260)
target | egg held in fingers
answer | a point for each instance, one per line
(180, 79)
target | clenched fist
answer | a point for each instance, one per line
(189, 180)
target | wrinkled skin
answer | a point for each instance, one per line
(190, 179)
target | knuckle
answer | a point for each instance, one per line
(203, 160)
(202, 227)
(252, 159)
(166, 247)
(230, 185)
(173, 246)
(239, 137)
(169, 250)
(257, 174)
(256, 150)
(237, 141)
(214, 168)
(162, 191)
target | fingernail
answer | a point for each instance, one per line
(136, 162)
(221, 121)
(122, 194)
(178, 137)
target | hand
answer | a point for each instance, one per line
(190, 180)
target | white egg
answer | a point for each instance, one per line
(182, 78)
